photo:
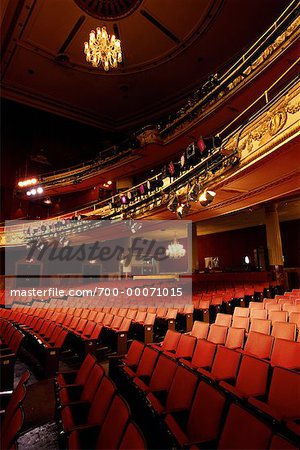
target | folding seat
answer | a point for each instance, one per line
(203, 355)
(225, 365)
(235, 337)
(107, 319)
(260, 326)
(243, 431)
(111, 432)
(252, 378)
(256, 305)
(161, 377)
(217, 334)
(93, 414)
(273, 307)
(259, 345)
(114, 311)
(133, 356)
(295, 318)
(241, 322)
(284, 330)
(204, 420)
(281, 443)
(285, 301)
(258, 314)
(286, 354)
(10, 433)
(88, 329)
(82, 393)
(199, 330)
(241, 312)
(131, 314)
(123, 312)
(80, 326)
(223, 320)
(140, 316)
(79, 377)
(283, 401)
(169, 343)
(269, 301)
(133, 438)
(291, 308)
(17, 398)
(278, 316)
(180, 393)
(145, 366)
(185, 347)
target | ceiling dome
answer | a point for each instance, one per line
(108, 9)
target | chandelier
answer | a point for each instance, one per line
(103, 49)
(175, 250)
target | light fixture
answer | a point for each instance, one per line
(175, 250)
(193, 193)
(48, 201)
(123, 199)
(103, 49)
(182, 210)
(206, 197)
(29, 182)
(173, 204)
(109, 182)
(247, 260)
(40, 190)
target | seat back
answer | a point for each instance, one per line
(204, 354)
(226, 364)
(116, 322)
(147, 362)
(16, 399)
(171, 341)
(278, 316)
(223, 319)
(10, 432)
(163, 374)
(286, 354)
(182, 390)
(235, 337)
(85, 369)
(280, 443)
(186, 346)
(259, 344)
(199, 330)
(252, 377)
(92, 383)
(241, 312)
(133, 438)
(258, 314)
(114, 425)
(261, 326)
(256, 305)
(101, 402)
(284, 330)
(208, 416)
(217, 334)
(295, 318)
(243, 431)
(241, 322)
(150, 319)
(134, 353)
(283, 397)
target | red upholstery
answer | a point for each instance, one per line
(162, 376)
(217, 334)
(235, 337)
(185, 347)
(286, 354)
(146, 364)
(243, 431)
(251, 380)
(203, 355)
(225, 365)
(199, 330)
(133, 438)
(280, 443)
(284, 330)
(170, 342)
(204, 420)
(259, 344)
(80, 377)
(261, 326)
(283, 401)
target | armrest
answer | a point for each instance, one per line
(10, 355)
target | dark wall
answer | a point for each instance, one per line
(290, 236)
(231, 246)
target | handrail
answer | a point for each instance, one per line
(281, 21)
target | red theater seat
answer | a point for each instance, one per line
(223, 320)
(284, 330)
(259, 344)
(225, 365)
(203, 355)
(286, 354)
(169, 343)
(199, 330)
(69, 378)
(185, 347)
(217, 334)
(161, 378)
(260, 326)
(252, 378)
(133, 438)
(243, 431)
(145, 366)
(235, 337)
(283, 402)
(280, 443)
(204, 420)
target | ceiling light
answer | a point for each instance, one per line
(103, 49)
(28, 193)
(40, 190)
(33, 191)
(109, 183)
(48, 201)
(206, 197)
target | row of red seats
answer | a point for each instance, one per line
(11, 340)
(91, 412)
(13, 417)
(166, 384)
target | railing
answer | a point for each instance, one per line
(239, 67)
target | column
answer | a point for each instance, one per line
(195, 260)
(274, 243)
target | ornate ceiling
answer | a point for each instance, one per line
(170, 47)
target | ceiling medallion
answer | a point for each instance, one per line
(108, 9)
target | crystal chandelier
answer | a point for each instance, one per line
(103, 49)
(175, 250)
